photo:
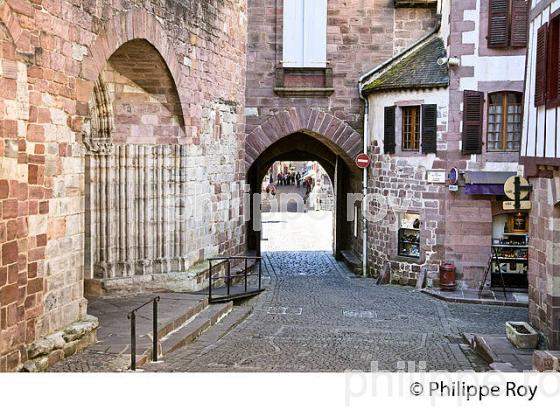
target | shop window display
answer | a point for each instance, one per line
(409, 235)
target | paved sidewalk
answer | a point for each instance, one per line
(112, 351)
(487, 297)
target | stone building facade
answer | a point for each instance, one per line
(311, 110)
(453, 76)
(121, 160)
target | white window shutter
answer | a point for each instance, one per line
(293, 33)
(315, 33)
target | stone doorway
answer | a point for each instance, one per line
(135, 156)
(304, 147)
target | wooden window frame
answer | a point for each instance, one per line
(416, 124)
(504, 122)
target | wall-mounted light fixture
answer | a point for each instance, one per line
(450, 61)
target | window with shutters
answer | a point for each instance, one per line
(504, 121)
(417, 128)
(410, 129)
(305, 33)
(508, 23)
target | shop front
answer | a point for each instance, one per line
(507, 265)
(510, 250)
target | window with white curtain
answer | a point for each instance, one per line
(504, 121)
(305, 33)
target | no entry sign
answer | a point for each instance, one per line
(363, 161)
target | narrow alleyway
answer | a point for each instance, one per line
(316, 316)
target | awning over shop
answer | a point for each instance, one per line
(485, 183)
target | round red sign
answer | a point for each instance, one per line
(363, 161)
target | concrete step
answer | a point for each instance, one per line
(224, 326)
(209, 338)
(192, 329)
(352, 261)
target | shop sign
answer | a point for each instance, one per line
(510, 188)
(436, 177)
(510, 205)
(453, 188)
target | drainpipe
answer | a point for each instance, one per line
(365, 181)
(366, 131)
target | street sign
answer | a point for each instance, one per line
(436, 177)
(453, 176)
(509, 188)
(523, 205)
(363, 161)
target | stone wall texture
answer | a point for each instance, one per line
(457, 227)
(360, 36)
(544, 259)
(186, 97)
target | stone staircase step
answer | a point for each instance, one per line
(121, 344)
(213, 334)
(224, 326)
(352, 261)
(190, 331)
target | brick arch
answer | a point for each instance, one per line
(125, 27)
(335, 133)
(20, 38)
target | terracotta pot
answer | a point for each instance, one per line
(447, 276)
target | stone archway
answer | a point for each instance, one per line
(318, 135)
(326, 128)
(135, 173)
(308, 145)
(133, 25)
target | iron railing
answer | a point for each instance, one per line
(229, 278)
(132, 317)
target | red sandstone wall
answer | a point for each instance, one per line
(22, 200)
(51, 52)
(468, 235)
(360, 35)
(544, 261)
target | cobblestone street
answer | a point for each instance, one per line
(316, 316)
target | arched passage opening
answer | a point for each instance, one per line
(135, 161)
(307, 146)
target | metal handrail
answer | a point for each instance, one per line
(228, 276)
(132, 316)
